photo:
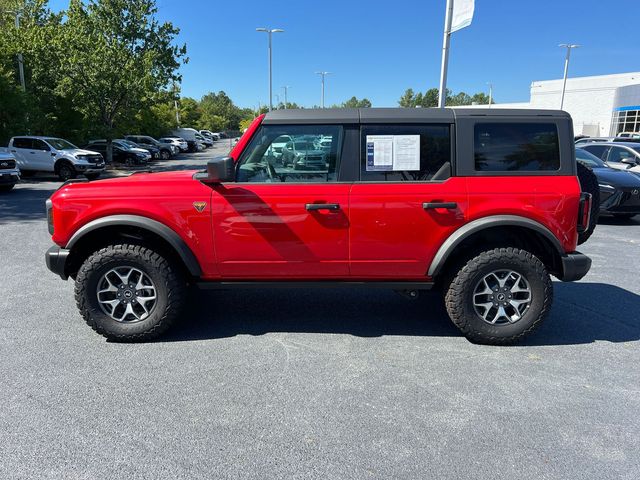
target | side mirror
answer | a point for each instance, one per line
(629, 161)
(219, 170)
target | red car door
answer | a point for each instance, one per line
(399, 218)
(284, 218)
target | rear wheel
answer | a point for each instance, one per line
(589, 184)
(129, 293)
(499, 296)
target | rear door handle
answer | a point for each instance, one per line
(447, 205)
(312, 207)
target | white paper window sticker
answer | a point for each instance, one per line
(379, 153)
(406, 152)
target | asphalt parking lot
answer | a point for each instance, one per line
(327, 384)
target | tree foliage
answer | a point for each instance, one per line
(410, 99)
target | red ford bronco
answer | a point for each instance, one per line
(482, 203)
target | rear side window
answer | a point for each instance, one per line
(22, 143)
(597, 150)
(516, 147)
(403, 153)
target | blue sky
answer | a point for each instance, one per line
(378, 49)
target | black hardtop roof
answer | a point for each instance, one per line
(397, 115)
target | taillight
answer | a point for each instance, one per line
(49, 207)
(584, 212)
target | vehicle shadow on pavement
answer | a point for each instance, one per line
(582, 313)
(619, 221)
(589, 312)
(23, 203)
(360, 312)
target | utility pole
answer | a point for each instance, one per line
(490, 93)
(20, 58)
(322, 75)
(286, 88)
(269, 32)
(442, 93)
(569, 47)
(175, 103)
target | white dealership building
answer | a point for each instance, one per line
(600, 106)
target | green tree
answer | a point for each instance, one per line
(353, 102)
(117, 57)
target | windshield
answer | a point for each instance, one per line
(588, 159)
(60, 144)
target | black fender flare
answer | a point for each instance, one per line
(457, 237)
(145, 223)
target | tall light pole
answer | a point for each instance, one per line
(569, 47)
(286, 89)
(270, 31)
(490, 93)
(20, 59)
(442, 92)
(322, 74)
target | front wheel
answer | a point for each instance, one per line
(66, 172)
(499, 296)
(165, 155)
(129, 293)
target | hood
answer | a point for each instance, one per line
(617, 178)
(161, 183)
(80, 151)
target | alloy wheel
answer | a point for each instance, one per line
(126, 294)
(502, 297)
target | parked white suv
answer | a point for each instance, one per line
(49, 154)
(9, 172)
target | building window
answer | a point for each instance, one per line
(625, 121)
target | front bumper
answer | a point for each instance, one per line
(56, 259)
(9, 176)
(575, 265)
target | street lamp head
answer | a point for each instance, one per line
(261, 30)
(277, 30)
(569, 45)
(269, 30)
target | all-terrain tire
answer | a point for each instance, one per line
(459, 296)
(589, 183)
(170, 290)
(65, 171)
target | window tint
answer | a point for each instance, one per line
(22, 143)
(598, 150)
(40, 145)
(618, 154)
(295, 153)
(511, 147)
(588, 159)
(403, 153)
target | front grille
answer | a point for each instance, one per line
(94, 158)
(5, 164)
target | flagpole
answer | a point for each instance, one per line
(442, 93)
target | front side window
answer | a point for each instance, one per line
(618, 154)
(404, 153)
(292, 153)
(516, 147)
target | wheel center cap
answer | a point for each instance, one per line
(501, 297)
(128, 293)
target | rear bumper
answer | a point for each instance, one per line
(574, 266)
(56, 259)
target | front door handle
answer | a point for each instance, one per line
(313, 207)
(447, 205)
